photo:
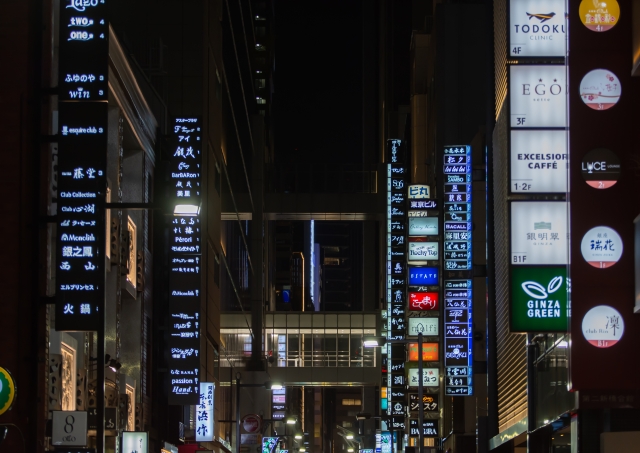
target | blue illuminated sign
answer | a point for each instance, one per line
(423, 276)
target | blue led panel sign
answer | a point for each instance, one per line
(185, 265)
(84, 50)
(80, 244)
(423, 276)
(458, 337)
(457, 208)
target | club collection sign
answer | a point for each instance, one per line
(599, 15)
(601, 168)
(603, 326)
(600, 89)
(601, 247)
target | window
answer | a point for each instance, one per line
(351, 402)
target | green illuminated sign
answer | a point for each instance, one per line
(539, 299)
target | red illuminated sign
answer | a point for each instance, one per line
(423, 301)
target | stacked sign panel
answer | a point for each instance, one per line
(82, 162)
(457, 300)
(538, 166)
(605, 328)
(397, 176)
(185, 265)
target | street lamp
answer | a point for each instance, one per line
(291, 420)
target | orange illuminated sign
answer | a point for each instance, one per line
(429, 352)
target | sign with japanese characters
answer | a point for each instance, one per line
(457, 207)
(458, 336)
(601, 247)
(538, 96)
(537, 28)
(429, 352)
(83, 51)
(185, 265)
(539, 161)
(419, 192)
(599, 16)
(603, 326)
(80, 245)
(422, 250)
(204, 413)
(423, 300)
(600, 89)
(539, 299)
(135, 441)
(539, 233)
(430, 377)
(429, 428)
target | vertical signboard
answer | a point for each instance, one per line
(204, 413)
(457, 300)
(82, 162)
(537, 28)
(185, 267)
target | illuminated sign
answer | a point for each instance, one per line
(603, 326)
(423, 226)
(184, 265)
(423, 251)
(430, 377)
(537, 28)
(426, 326)
(429, 402)
(539, 299)
(599, 15)
(539, 161)
(429, 428)
(420, 300)
(419, 191)
(84, 50)
(457, 208)
(601, 168)
(204, 413)
(601, 247)
(423, 276)
(82, 186)
(600, 89)
(538, 96)
(134, 441)
(429, 352)
(458, 337)
(539, 233)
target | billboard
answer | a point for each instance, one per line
(539, 233)
(539, 299)
(539, 161)
(537, 28)
(538, 96)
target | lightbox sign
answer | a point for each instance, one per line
(601, 168)
(423, 251)
(84, 50)
(419, 192)
(539, 233)
(204, 413)
(601, 247)
(423, 226)
(600, 89)
(419, 276)
(185, 266)
(428, 327)
(537, 28)
(135, 442)
(429, 402)
(430, 377)
(423, 300)
(603, 326)
(429, 428)
(598, 15)
(539, 299)
(458, 337)
(457, 207)
(538, 96)
(429, 352)
(539, 161)
(80, 244)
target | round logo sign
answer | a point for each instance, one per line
(600, 89)
(252, 423)
(603, 326)
(599, 15)
(601, 168)
(7, 390)
(601, 247)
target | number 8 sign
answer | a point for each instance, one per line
(69, 428)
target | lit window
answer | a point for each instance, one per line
(260, 100)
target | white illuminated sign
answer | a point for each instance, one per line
(603, 326)
(426, 326)
(537, 28)
(539, 233)
(69, 428)
(539, 161)
(430, 377)
(423, 251)
(601, 247)
(419, 191)
(538, 96)
(423, 226)
(135, 441)
(204, 413)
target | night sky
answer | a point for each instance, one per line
(318, 93)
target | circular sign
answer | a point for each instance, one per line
(601, 247)
(599, 15)
(600, 89)
(7, 390)
(603, 326)
(601, 168)
(252, 423)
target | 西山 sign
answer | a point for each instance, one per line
(539, 233)
(537, 28)
(538, 96)
(539, 299)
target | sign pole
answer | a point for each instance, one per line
(238, 413)
(420, 396)
(100, 384)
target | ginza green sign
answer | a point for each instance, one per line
(538, 299)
